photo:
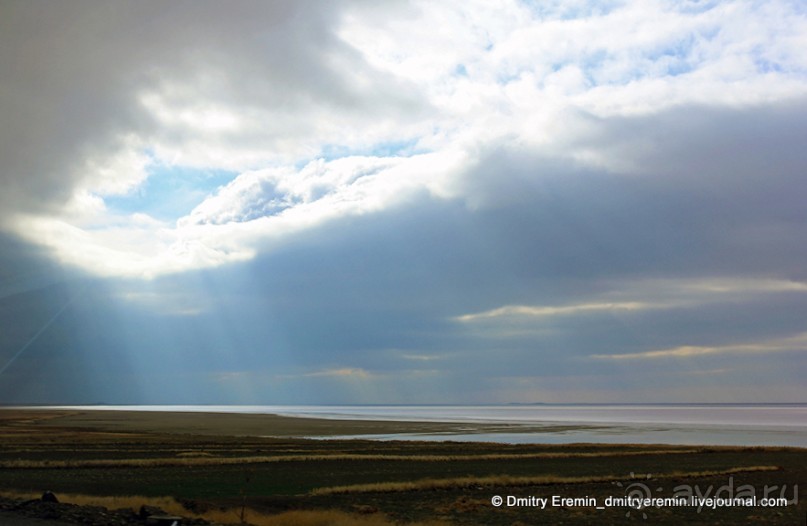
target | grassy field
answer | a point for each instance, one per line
(219, 466)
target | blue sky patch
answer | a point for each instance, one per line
(401, 148)
(558, 10)
(170, 192)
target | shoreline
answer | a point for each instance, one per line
(237, 424)
(259, 424)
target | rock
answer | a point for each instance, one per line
(48, 496)
(93, 515)
(164, 520)
(148, 511)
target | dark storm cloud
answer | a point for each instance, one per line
(708, 191)
(75, 74)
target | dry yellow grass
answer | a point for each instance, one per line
(195, 454)
(507, 480)
(207, 459)
(323, 518)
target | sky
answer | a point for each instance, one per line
(404, 202)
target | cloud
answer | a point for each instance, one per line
(796, 343)
(264, 89)
(294, 188)
(421, 357)
(98, 91)
(655, 294)
(526, 311)
(324, 189)
(344, 372)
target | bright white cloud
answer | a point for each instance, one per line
(321, 189)
(256, 208)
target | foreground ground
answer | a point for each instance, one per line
(225, 468)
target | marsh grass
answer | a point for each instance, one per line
(332, 518)
(203, 458)
(511, 481)
(227, 478)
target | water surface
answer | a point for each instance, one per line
(707, 424)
